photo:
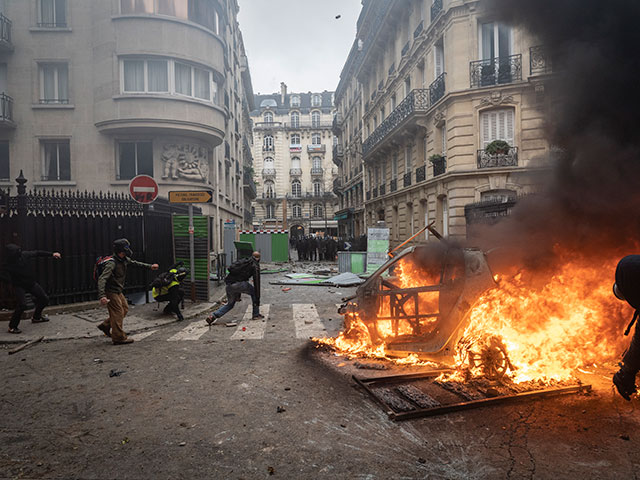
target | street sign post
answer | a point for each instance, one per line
(143, 189)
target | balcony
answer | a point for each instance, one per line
(368, 195)
(295, 172)
(269, 173)
(295, 148)
(496, 71)
(5, 34)
(337, 186)
(439, 163)
(405, 49)
(269, 196)
(393, 185)
(416, 102)
(436, 8)
(382, 189)
(268, 148)
(508, 159)
(6, 111)
(539, 61)
(374, 192)
(338, 154)
(294, 196)
(421, 174)
(248, 217)
(335, 124)
(317, 171)
(437, 89)
(316, 148)
(407, 179)
(249, 186)
(267, 125)
(419, 29)
(392, 69)
(307, 124)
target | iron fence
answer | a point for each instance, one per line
(439, 165)
(407, 179)
(421, 174)
(437, 89)
(496, 71)
(507, 159)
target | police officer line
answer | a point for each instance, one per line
(306, 320)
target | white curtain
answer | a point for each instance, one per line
(183, 79)
(158, 76)
(48, 82)
(201, 84)
(63, 83)
(46, 12)
(60, 13)
(133, 76)
(50, 167)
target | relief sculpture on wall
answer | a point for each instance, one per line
(186, 161)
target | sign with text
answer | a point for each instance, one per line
(143, 189)
(377, 248)
(197, 196)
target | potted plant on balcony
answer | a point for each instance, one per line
(497, 147)
(435, 158)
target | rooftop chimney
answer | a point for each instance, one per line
(283, 92)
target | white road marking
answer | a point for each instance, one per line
(193, 331)
(307, 321)
(142, 335)
(253, 329)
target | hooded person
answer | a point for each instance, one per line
(627, 287)
(166, 288)
(18, 271)
(111, 286)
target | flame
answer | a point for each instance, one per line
(549, 325)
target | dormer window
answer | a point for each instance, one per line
(295, 101)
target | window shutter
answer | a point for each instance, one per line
(438, 60)
(486, 133)
(510, 137)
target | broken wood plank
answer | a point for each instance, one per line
(25, 345)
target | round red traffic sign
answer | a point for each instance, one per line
(143, 189)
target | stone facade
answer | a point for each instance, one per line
(427, 87)
(98, 91)
(293, 146)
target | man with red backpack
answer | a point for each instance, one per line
(110, 287)
(237, 281)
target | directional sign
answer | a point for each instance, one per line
(198, 196)
(143, 189)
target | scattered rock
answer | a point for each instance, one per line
(115, 373)
(182, 444)
(625, 437)
(287, 389)
(280, 409)
(231, 324)
(271, 470)
(422, 460)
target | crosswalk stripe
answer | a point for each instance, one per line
(192, 331)
(252, 329)
(307, 321)
(142, 335)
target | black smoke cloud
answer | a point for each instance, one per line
(591, 204)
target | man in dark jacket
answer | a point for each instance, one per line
(237, 283)
(19, 273)
(110, 287)
(627, 287)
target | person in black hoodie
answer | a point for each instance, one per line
(237, 282)
(19, 272)
(627, 287)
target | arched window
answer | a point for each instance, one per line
(295, 140)
(268, 163)
(268, 142)
(316, 100)
(297, 211)
(316, 139)
(295, 101)
(316, 163)
(268, 117)
(295, 119)
(315, 119)
(296, 189)
(271, 210)
(317, 188)
(295, 162)
(317, 210)
(269, 189)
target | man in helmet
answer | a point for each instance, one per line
(110, 287)
(166, 288)
(627, 287)
(18, 271)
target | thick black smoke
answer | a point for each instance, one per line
(592, 203)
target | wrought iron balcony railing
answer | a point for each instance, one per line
(336, 123)
(337, 186)
(405, 49)
(369, 195)
(496, 71)
(539, 61)
(249, 186)
(316, 148)
(421, 173)
(507, 159)
(5, 30)
(383, 189)
(407, 179)
(439, 165)
(268, 172)
(6, 108)
(416, 101)
(317, 171)
(393, 186)
(268, 148)
(392, 69)
(419, 29)
(267, 125)
(437, 89)
(295, 172)
(338, 154)
(374, 192)
(436, 8)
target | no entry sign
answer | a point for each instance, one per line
(143, 189)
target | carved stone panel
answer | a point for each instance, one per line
(186, 161)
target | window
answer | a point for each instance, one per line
(192, 81)
(269, 189)
(295, 162)
(317, 188)
(438, 58)
(316, 163)
(407, 86)
(295, 101)
(271, 210)
(495, 40)
(52, 13)
(316, 139)
(54, 83)
(268, 142)
(296, 189)
(56, 160)
(202, 12)
(295, 119)
(394, 166)
(145, 76)
(315, 119)
(316, 100)
(295, 140)
(317, 210)
(408, 164)
(4, 161)
(297, 211)
(497, 125)
(268, 117)
(135, 158)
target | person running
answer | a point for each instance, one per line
(168, 289)
(237, 283)
(110, 287)
(19, 273)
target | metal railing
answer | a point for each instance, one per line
(392, 69)
(369, 195)
(5, 29)
(249, 185)
(317, 171)
(405, 49)
(421, 173)
(507, 159)
(316, 148)
(383, 189)
(295, 171)
(437, 89)
(54, 101)
(268, 148)
(436, 8)
(6, 108)
(439, 165)
(268, 172)
(407, 179)
(374, 192)
(393, 185)
(419, 29)
(496, 71)
(539, 61)
(416, 101)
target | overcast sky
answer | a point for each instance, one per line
(298, 42)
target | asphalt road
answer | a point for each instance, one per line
(187, 402)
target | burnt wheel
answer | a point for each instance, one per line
(488, 357)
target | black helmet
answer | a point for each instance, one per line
(122, 245)
(181, 273)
